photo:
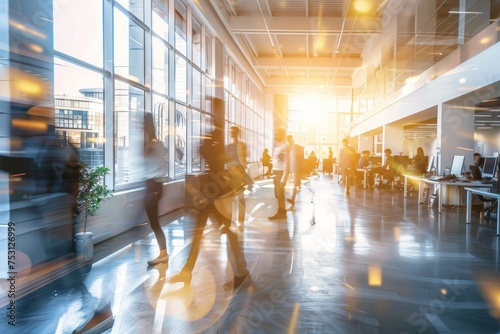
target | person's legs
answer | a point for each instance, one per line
(371, 175)
(241, 207)
(279, 193)
(296, 186)
(185, 274)
(236, 257)
(154, 192)
(276, 182)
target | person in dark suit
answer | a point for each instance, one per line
(215, 201)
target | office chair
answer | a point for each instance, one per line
(491, 208)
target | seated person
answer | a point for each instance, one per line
(363, 161)
(266, 162)
(478, 160)
(419, 162)
(310, 165)
(386, 171)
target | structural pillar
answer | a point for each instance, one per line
(392, 138)
(280, 107)
(455, 135)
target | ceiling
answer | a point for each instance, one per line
(313, 46)
(297, 45)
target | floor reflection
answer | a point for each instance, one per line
(372, 262)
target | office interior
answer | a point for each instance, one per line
(393, 74)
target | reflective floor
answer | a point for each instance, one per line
(368, 262)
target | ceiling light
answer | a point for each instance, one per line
(482, 115)
(362, 6)
(464, 12)
(484, 127)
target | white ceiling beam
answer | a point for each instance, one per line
(304, 25)
(309, 90)
(312, 63)
(308, 82)
(269, 12)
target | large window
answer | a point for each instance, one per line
(180, 78)
(160, 115)
(180, 140)
(79, 109)
(136, 7)
(196, 31)
(78, 30)
(160, 66)
(128, 48)
(181, 27)
(196, 89)
(106, 79)
(196, 128)
(129, 132)
(160, 21)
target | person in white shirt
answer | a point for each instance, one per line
(296, 165)
(237, 151)
(280, 169)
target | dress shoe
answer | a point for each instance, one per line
(158, 260)
(236, 282)
(281, 214)
(101, 320)
(181, 277)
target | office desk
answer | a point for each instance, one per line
(442, 187)
(485, 193)
(365, 172)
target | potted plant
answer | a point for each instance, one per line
(92, 192)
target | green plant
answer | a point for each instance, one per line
(92, 192)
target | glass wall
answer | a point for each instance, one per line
(329, 125)
(243, 103)
(101, 62)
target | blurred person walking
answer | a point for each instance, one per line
(281, 170)
(215, 201)
(237, 151)
(296, 165)
(155, 167)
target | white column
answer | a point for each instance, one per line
(455, 135)
(365, 142)
(393, 138)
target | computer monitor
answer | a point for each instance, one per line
(457, 165)
(489, 167)
(431, 166)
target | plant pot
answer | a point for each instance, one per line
(84, 246)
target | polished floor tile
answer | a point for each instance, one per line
(368, 262)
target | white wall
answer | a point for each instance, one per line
(126, 209)
(490, 139)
